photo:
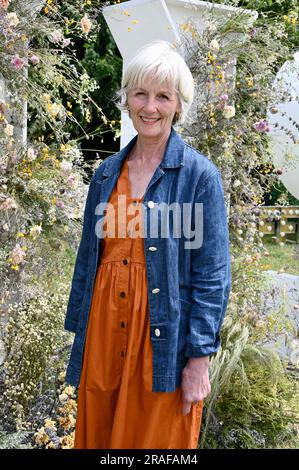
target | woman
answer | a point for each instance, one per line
(146, 306)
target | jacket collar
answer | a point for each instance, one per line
(173, 156)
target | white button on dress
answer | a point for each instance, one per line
(151, 204)
(157, 332)
(155, 291)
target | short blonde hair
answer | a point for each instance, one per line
(160, 61)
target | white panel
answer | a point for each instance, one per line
(138, 22)
(285, 149)
(153, 22)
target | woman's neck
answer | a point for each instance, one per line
(148, 150)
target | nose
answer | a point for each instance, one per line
(150, 106)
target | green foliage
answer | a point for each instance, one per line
(279, 195)
(281, 258)
(103, 63)
(258, 407)
(254, 401)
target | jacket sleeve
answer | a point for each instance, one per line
(81, 267)
(210, 271)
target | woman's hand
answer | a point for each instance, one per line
(195, 382)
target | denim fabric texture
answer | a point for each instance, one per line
(187, 312)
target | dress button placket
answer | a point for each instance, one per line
(124, 302)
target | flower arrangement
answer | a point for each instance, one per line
(42, 187)
(42, 192)
(234, 63)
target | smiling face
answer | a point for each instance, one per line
(152, 108)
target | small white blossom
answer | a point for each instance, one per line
(66, 166)
(229, 111)
(8, 130)
(12, 19)
(31, 154)
(214, 46)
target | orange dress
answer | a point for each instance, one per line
(117, 408)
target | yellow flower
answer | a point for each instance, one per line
(65, 148)
(51, 445)
(211, 58)
(49, 2)
(126, 13)
(41, 437)
(69, 390)
(49, 423)
(135, 22)
(53, 109)
(69, 406)
(88, 115)
(46, 10)
(67, 422)
(61, 376)
(129, 30)
(20, 235)
(67, 442)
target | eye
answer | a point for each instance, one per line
(165, 97)
(139, 93)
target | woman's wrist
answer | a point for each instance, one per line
(202, 362)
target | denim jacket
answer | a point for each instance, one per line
(188, 289)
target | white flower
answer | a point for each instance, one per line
(66, 166)
(17, 256)
(85, 24)
(9, 130)
(50, 424)
(56, 36)
(211, 27)
(31, 154)
(9, 203)
(63, 397)
(236, 183)
(214, 46)
(35, 230)
(55, 109)
(69, 390)
(71, 180)
(12, 19)
(229, 111)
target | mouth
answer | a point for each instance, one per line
(149, 121)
